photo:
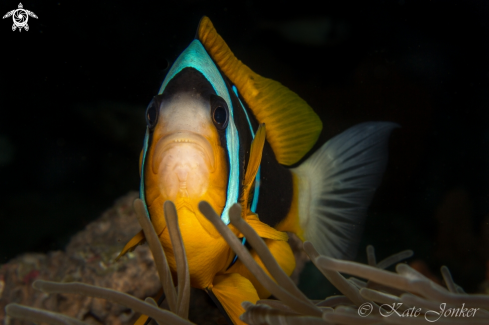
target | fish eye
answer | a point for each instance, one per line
(219, 112)
(220, 115)
(152, 113)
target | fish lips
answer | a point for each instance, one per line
(185, 138)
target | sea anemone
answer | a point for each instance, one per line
(405, 297)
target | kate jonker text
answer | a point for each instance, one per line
(387, 310)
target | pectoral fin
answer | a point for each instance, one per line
(282, 253)
(263, 230)
(138, 239)
(231, 290)
(256, 152)
(141, 320)
(144, 319)
(255, 155)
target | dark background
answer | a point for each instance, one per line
(73, 90)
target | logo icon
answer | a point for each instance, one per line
(365, 309)
(20, 17)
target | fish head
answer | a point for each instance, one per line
(186, 159)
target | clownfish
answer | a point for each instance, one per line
(219, 132)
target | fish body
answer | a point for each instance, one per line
(218, 132)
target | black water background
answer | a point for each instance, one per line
(74, 87)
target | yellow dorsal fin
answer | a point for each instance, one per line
(293, 127)
(138, 239)
(256, 152)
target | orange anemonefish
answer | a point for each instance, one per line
(206, 140)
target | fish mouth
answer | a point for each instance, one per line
(188, 139)
(183, 163)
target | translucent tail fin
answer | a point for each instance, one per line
(336, 186)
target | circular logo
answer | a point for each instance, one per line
(365, 309)
(20, 17)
